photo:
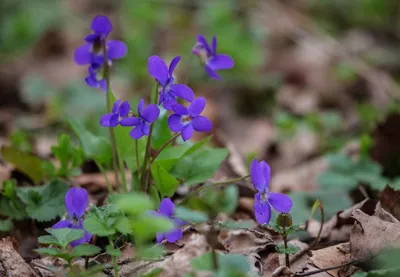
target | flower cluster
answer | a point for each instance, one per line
(76, 200)
(98, 49)
(261, 176)
(98, 53)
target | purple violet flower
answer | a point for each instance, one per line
(91, 52)
(76, 200)
(187, 120)
(120, 110)
(93, 79)
(168, 90)
(167, 209)
(146, 116)
(212, 60)
(261, 176)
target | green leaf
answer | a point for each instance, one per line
(94, 225)
(154, 273)
(113, 252)
(200, 165)
(146, 227)
(165, 182)
(134, 203)
(336, 180)
(62, 151)
(27, 163)
(49, 240)
(161, 132)
(316, 205)
(13, 208)
(48, 251)
(46, 202)
(97, 148)
(235, 263)
(232, 224)
(65, 236)
(229, 200)
(197, 146)
(123, 225)
(85, 250)
(190, 215)
(150, 252)
(292, 249)
(341, 162)
(203, 263)
(6, 225)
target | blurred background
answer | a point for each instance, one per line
(311, 78)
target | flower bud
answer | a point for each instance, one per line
(284, 220)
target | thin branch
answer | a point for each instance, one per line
(309, 273)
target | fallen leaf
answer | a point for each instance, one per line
(328, 257)
(370, 234)
(13, 264)
(245, 242)
(390, 201)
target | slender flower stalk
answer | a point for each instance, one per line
(161, 149)
(231, 181)
(114, 260)
(109, 108)
(147, 155)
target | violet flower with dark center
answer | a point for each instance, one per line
(92, 52)
(120, 110)
(261, 176)
(168, 90)
(167, 208)
(187, 120)
(146, 116)
(76, 200)
(212, 60)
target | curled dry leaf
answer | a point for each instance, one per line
(338, 228)
(245, 242)
(13, 264)
(390, 201)
(370, 234)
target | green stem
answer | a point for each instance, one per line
(114, 260)
(109, 108)
(161, 149)
(123, 177)
(105, 176)
(284, 236)
(137, 155)
(230, 181)
(148, 149)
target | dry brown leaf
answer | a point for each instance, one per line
(13, 264)
(370, 234)
(329, 256)
(179, 263)
(384, 215)
(338, 228)
(390, 201)
(244, 242)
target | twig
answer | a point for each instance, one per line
(309, 273)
